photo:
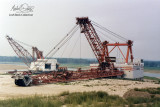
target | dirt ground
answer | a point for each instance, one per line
(8, 67)
(112, 86)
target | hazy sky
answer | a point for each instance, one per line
(138, 20)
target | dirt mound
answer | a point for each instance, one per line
(133, 93)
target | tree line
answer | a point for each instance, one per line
(75, 61)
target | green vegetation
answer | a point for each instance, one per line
(153, 64)
(152, 68)
(152, 101)
(149, 90)
(151, 78)
(84, 99)
(156, 80)
(148, 65)
(93, 99)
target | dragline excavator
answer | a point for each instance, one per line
(106, 67)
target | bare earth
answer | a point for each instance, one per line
(7, 67)
(112, 86)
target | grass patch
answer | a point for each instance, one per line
(140, 100)
(64, 93)
(157, 80)
(151, 78)
(88, 85)
(94, 99)
(137, 100)
(82, 99)
(63, 83)
(97, 98)
(149, 90)
(36, 101)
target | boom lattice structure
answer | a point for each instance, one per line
(23, 54)
(92, 37)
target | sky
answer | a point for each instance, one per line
(137, 20)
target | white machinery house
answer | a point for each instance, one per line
(132, 70)
(44, 65)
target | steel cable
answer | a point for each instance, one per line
(61, 43)
(109, 31)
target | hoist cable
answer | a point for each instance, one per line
(61, 40)
(61, 43)
(74, 45)
(106, 35)
(109, 31)
(22, 43)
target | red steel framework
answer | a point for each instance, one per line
(23, 54)
(66, 76)
(92, 37)
(129, 44)
(100, 49)
(38, 53)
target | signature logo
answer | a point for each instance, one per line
(23, 8)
